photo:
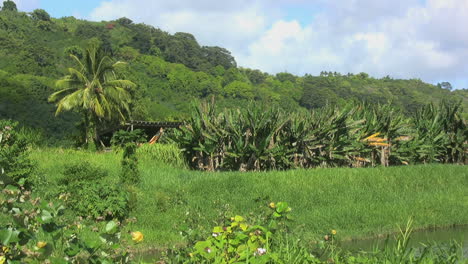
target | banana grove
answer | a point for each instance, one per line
(357, 135)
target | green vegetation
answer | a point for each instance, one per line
(261, 138)
(239, 242)
(357, 202)
(9, 6)
(64, 205)
(87, 192)
(128, 142)
(94, 90)
(38, 232)
(170, 71)
(179, 207)
(33, 230)
(174, 206)
(14, 158)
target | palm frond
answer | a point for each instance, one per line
(55, 96)
(126, 84)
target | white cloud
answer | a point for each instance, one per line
(401, 38)
(220, 23)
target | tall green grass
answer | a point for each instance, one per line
(168, 154)
(357, 202)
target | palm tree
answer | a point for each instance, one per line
(93, 89)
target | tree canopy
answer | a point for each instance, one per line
(9, 6)
(94, 89)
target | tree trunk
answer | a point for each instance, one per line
(87, 130)
(95, 134)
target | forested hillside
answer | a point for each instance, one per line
(171, 71)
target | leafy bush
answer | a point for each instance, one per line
(38, 232)
(87, 192)
(15, 165)
(79, 172)
(128, 140)
(121, 138)
(238, 241)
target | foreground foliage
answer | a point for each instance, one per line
(38, 232)
(237, 241)
(359, 135)
(34, 230)
(15, 165)
(86, 190)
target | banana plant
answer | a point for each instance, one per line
(356, 135)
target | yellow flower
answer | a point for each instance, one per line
(63, 197)
(333, 232)
(272, 205)
(41, 244)
(137, 236)
(5, 249)
(2, 259)
(191, 255)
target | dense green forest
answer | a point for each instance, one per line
(171, 71)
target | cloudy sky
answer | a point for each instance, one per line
(426, 39)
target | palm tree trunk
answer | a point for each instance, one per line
(86, 129)
(89, 129)
(94, 135)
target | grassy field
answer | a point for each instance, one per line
(355, 202)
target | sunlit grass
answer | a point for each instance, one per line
(356, 202)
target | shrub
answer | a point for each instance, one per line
(83, 171)
(128, 140)
(86, 190)
(38, 232)
(15, 165)
(239, 241)
(130, 173)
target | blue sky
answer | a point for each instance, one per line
(68, 8)
(425, 39)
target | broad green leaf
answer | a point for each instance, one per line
(238, 218)
(111, 227)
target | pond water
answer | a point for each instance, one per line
(439, 235)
